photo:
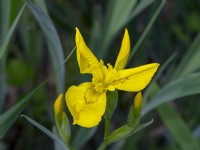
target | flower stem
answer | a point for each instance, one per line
(106, 134)
(107, 128)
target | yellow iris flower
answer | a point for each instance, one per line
(87, 101)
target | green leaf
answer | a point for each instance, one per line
(118, 14)
(158, 74)
(124, 132)
(46, 131)
(147, 29)
(9, 117)
(53, 43)
(4, 45)
(177, 128)
(82, 137)
(42, 5)
(190, 62)
(4, 18)
(141, 6)
(179, 88)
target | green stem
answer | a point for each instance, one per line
(107, 128)
(106, 134)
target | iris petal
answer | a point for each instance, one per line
(85, 104)
(85, 57)
(124, 52)
(135, 79)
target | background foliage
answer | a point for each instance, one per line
(36, 36)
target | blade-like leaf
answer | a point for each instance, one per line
(158, 74)
(82, 137)
(190, 61)
(177, 128)
(4, 18)
(4, 45)
(46, 131)
(125, 131)
(182, 87)
(118, 15)
(53, 42)
(147, 29)
(9, 117)
(42, 5)
(141, 6)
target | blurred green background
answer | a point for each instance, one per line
(161, 31)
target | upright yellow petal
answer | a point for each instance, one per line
(85, 57)
(124, 52)
(135, 79)
(85, 104)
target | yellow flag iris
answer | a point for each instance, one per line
(87, 101)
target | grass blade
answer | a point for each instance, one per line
(190, 61)
(146, 31)
(42, 5)
(8, 36)
(5, 37)
(177, 128)
(9, 117)
(4, 18)
(141, 6)
(53, 43)
(118, 11)
(158, 74)
(182, 87)
(82, 137)
(46, 131)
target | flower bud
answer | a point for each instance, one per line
(61, 119)
(135, 111)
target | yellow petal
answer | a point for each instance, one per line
(58, 106)
(85, 104)
(135, 79)
(124, 52)
(85, 57)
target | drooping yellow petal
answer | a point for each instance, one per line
(124, 52)
(85, 104)
(85, 57)
(135, 79)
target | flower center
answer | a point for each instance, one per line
(103, 77)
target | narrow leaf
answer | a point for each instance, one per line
(4, 18)
(46, 131)
(4, 45)
(124, 132)
(82, 137)
(179, 88)
(158, 74)
(9, 117)
(177, 128)
(190, 62)
(147, 29)
(53, 43)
